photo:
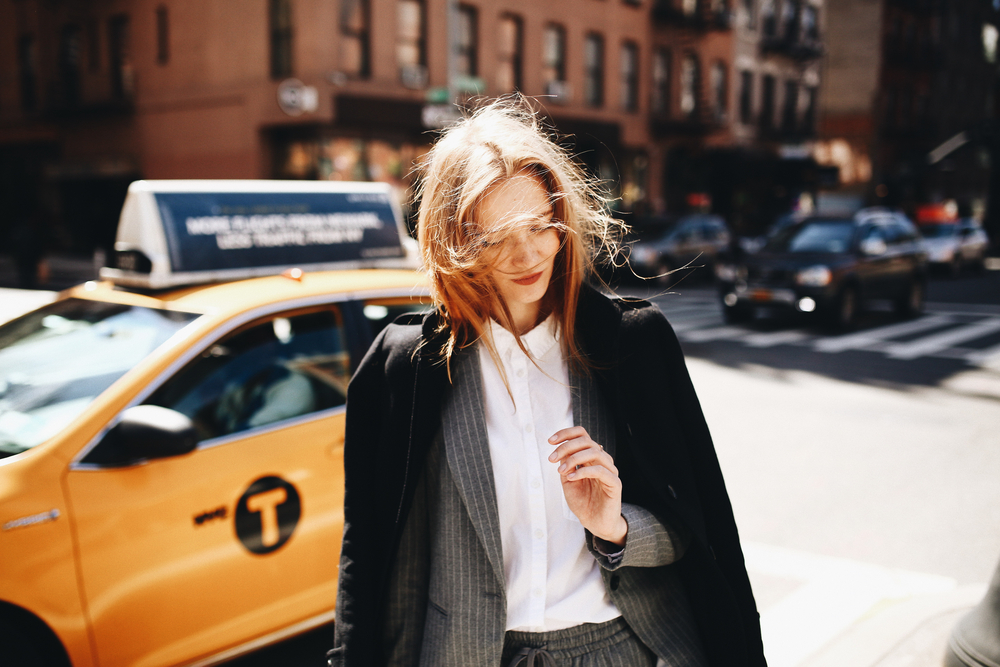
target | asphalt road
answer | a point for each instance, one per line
(862, 466)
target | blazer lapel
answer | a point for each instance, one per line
(590, 411)
(468, 453)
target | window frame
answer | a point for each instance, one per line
(281, 36)
(630, 76)
(593, 70)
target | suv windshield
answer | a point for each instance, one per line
(57, 359)
(939, 230)
(814, 236)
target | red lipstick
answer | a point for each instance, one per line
(529, 280)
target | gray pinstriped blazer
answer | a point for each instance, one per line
(447, 602)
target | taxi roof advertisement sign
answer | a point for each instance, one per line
(208, 231)
(190, 232)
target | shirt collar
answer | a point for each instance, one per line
(538, 341)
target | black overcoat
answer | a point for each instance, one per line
(665, 457)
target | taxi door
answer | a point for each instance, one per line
(187, 556)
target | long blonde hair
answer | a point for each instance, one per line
(497, 142)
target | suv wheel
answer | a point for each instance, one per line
(844, 310)
(911, 303)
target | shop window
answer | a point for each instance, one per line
(280, 15)
(410, 41)
(593, 76)
(630, 76)
(28, 71)
(467, 47)
(660, 101)
(746, 97)
(767, 102)
(719, 92)
(689, 86)
(121, 63)
(355, 35)
(162, 35)
(509, 60)
(554, 60)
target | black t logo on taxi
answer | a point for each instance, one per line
(267, 514)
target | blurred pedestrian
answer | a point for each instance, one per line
(529, 476)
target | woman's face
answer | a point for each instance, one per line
(522, 257)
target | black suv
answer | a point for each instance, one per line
(828, 265)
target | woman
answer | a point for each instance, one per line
(529, 477)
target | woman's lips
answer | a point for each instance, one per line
(529, 280)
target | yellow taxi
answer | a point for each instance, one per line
(171, 477)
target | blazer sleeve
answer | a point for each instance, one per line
(649, 543)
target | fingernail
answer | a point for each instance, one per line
(552, 438)
(552, 456)
(572, 475)
(562, 468)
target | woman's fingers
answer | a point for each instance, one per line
(588, 456)
(598, 473)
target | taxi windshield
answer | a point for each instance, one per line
(823, 236)
(56, 360)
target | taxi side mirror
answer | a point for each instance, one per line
(152, 432)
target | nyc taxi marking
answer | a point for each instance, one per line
(267, 514)
(211, 515)
(32, 520)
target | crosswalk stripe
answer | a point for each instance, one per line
(775, 338)
(687, 324)
(988, 358)
(715, 333)
(935, 343)
(862, 339)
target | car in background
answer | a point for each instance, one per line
(828, 266)
(953, 246)
(696, 241)
(171, 437)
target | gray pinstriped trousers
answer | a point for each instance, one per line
(609, 644)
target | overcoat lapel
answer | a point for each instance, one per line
(467, 450)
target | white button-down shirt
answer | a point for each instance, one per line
(552, 580)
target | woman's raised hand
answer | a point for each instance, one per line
(590, 483)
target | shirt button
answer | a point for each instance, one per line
(535, 483)
(537, 592)
(539, 534)
(528, 428)
(520, 372)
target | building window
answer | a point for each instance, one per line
(809, 117)
(70, 45)
(280, 15)
(810, 23)
(748, 9)
(746, 97)
(162, 35)
(767, 102)
(660, 101)
(689, 86)
(354, 38)
(554, 57)
(768, 18)
(719, 92)
(93, 45)
(121, 63)
(791, 106)
(467, 61)
(788, 12)
(410, 51)
(593, 62)
(630, 76)
(27, 57)
(511, 42)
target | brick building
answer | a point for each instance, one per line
(96, 94)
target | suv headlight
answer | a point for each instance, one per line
(727, 273)
(814, 276)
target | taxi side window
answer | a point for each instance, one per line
(270, 370)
